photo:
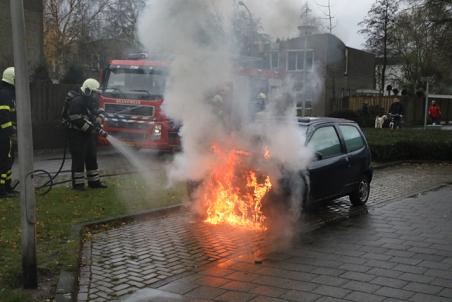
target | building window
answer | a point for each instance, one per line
(274, 60)
(295, 60)
(291, 61)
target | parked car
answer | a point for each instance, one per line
(341, 167)
(342, 164)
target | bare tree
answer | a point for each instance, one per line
(413, 45)
(249, 33)
(65, 23)
(424, 42)
(120, 19)
(379, 27)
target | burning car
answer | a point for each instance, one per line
(237, 194)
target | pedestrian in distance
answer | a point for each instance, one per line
(396, 112)
(434, 112)
(83, 121)
(7, 130)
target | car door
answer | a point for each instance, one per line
(357, 155)
(327, 171)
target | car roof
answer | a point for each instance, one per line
(308, 121)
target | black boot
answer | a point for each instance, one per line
(97, 185)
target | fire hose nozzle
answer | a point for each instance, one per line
(102, 133)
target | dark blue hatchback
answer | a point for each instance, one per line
(342, 164)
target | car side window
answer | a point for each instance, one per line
(352, 137)
(326, 142)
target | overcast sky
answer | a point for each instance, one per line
(347, 14)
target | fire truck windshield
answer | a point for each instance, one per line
(135, 82)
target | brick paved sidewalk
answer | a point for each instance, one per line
(368, 259)
(401, 252)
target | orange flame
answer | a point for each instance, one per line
(233, 193)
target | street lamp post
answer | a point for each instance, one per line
(25, 143)
(250, 25)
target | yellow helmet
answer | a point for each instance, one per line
(9, 76)
(91, 85)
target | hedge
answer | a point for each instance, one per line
(409, 144)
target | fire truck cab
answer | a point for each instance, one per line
(132, 97)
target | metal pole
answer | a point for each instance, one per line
(303, 110)
(426, 106)
(25, 144)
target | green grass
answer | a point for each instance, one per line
(57, 212)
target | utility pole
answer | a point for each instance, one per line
(306, 30)
(25, 144)
(328, 15)
(427, 79)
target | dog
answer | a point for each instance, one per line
(379, 121)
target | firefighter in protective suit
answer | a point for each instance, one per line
(83, 120)
(7, 129)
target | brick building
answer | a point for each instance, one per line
(34, 33)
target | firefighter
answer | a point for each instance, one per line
(83, 122)
(7, 129)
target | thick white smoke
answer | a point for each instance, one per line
(205, 92)
(279, 17)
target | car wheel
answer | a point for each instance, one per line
(361, 195)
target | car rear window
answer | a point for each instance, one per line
(353, 139)
(326, 142)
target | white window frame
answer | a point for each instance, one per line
(297, 57)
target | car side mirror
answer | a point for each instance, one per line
(318, 156)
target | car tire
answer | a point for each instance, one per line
(362, 193)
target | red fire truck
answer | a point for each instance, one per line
(132, 97)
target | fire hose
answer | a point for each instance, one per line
(51, 182)
(48, 186)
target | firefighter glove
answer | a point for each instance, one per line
(102, 132)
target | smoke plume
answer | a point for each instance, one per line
(205, 92)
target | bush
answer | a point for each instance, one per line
(409, 144)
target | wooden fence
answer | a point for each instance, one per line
(414, 107)
(356, 103)
(47, 100)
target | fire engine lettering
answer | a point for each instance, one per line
(128, 102)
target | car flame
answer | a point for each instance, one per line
(233, 192)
